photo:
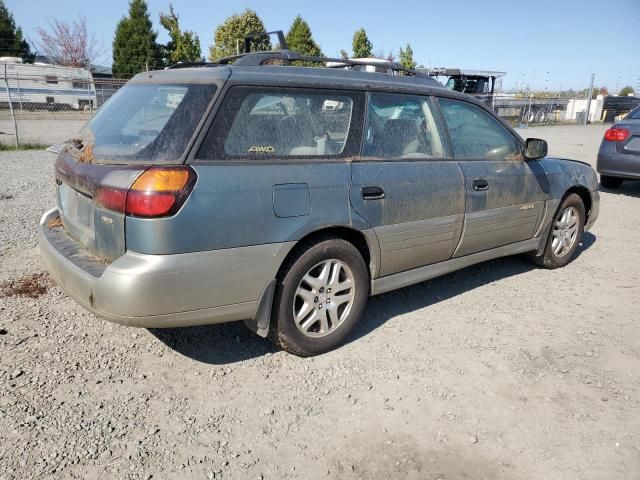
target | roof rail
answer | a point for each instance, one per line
(289, 56)
(190, 65)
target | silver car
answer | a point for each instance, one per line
(619, 154)
(285, 196)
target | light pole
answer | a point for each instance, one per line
(589, 93)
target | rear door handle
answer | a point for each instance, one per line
(372, 193)
(480, 184)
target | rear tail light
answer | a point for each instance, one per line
(157, 192)
(616, 134)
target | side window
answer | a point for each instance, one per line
(402, 126)
(475, 134)
(265, 123)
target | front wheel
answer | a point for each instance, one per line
(566, 234)
(321, 296)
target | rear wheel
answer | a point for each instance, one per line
(610, 182)
(566, 234)
(322, 294)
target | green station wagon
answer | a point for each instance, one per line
(285, 196)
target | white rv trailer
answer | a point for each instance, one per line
(40, 85)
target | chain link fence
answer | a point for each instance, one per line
(522, 109)
(47, 109)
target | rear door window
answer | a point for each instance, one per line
(475, 134)
(402, 127)
(262, 123)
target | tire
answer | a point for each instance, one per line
(325, 323)
(558, 252)
(610, 182)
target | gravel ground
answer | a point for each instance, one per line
(499, 371)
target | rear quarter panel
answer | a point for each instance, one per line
(233, 206)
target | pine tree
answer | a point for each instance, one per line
(12, 43)
(134, 46)
(362, 47)
(300, 40)
(229, 36)
(406, 57)
(183, 46)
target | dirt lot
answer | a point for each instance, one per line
(499, 371)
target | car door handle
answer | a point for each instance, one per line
(480, 184)
(372, 193)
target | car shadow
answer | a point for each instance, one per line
(629, 188)
(389, 305)
(232, 342)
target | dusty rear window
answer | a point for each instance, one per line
(148, 122)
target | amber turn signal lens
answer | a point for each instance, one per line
(161, 180)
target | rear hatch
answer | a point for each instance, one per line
(142, 127)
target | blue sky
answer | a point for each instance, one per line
(546, 43)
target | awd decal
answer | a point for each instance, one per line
(262, 149)
(528, 206)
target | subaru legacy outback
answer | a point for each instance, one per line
(285, 196)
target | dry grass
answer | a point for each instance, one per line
(54, 223)
(31, 286)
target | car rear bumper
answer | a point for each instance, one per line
(618, 164)
(156, 291)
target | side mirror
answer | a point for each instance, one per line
(535, 148)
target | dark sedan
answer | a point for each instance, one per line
(619, 154)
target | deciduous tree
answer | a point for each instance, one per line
(628, 90)
(68, 43)
(229, 36)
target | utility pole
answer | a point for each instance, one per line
(589, 93)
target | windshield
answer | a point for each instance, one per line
(468, 84)
(147, 122)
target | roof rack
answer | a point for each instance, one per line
(190, 65)
(287, 57)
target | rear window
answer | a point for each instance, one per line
(635, 114)
(279, 123)
(147, 122)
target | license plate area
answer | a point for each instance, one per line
(77, 213)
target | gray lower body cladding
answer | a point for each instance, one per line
(163, 290)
